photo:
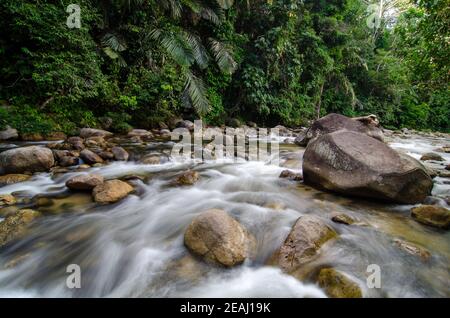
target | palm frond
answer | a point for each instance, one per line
(198, 50)
(114, 42)
(211, 15)
(176, 46)
(197, 93)
(223, 57)
(174, 6)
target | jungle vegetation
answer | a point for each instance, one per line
(142, 62)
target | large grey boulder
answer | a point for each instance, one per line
(330, 123)
(355, 164)
(26, 159)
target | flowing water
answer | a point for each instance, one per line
(134, 248)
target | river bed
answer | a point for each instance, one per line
(134, 248)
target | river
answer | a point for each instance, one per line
(134, 248)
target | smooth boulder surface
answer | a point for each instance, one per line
(9, 133)
(89, 157)
(302, 244)
(186, 178)
(431, 156)
(26, 159)
(139, 133)
(111, 191)
(354, 164)
(432, 215)
(91, 132)
(84, 182)
(335, 122)
(219, 238)
(15, 225)
(338, 285)
(342, 218)
(120, 154)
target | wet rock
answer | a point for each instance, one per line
(431, 156)
(76, 143)
(219, 238)
(302, 244)
(98, 141)
(74, 139)
(187, 178)
(91, 132)
(120, 153)
(59, 154)
(154, 159)
(13, 178)
(69, 161)
(90, 157)
(59, 170)
(164, 134)
(446, 149)
(335, 122)
(56, 135)
(139, 133)
(338, 285)
(355, 164)
(7, 199)
(412, 249)
(432, 215)
(252, 124)
(15, 226)
(342, 218)
(26, 159)
(31, 137)
(106, 155)
(288, 174)
(136, 139)
(9, 133)
(111, 191)
(84, 182)
(444, 174)
(301, 140)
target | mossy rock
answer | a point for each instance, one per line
(338, 285)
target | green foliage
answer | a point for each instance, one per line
(273, 62)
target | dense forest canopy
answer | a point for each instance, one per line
(142, 62)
